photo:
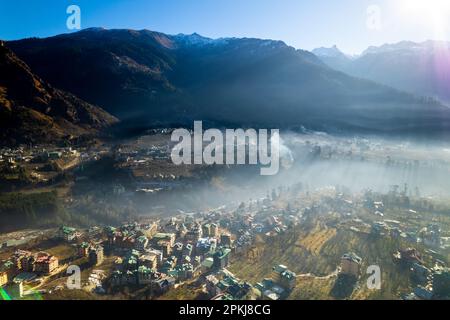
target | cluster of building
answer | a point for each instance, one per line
(25, 266)
(68, 234)
(41, 263)
(42, 164)
(224, 285)
(36, 154)
(430, 236)
(278, 286)
(430, 282)
(142, 155)
(39, 154)
(198, 246)
(94, 253)
(162, 254)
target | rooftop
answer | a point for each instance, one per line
(352, 257)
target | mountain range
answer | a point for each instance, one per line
(147, 78)
(419, 68)
(32, 110)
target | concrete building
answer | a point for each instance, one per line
(45, 263)
(211, 285)
(206, 230)
(96, 255)
(157, 253)
(350, 264)
(149, 230)
(7, 272)
(194, 234)
(169, 237)
(225, 240)
(67, 233)
(83, 249)
(213, 230)
(3, 278)
(222, 258)
(282, 276)
(269, 290)
(145, 275)
(441, 283)
(14, 290)
(409, 256)
(431, 236)
(24, 260)
(141, 243)
(188, 249)
(149, 260)
(165, 247)
(205, 246)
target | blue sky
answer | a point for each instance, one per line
(302, 24)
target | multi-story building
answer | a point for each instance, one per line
(222, 258)
(284, 277)
(3, 278)
(350, 264)
(165, 247)
(9, 269)
(441, 283)
(145, 275)
(206, 230)
(213, 230)
(177, 249)
(157, 253)
(141, 243)
(409, 256)
(45, 263)
(225, 240)
(211, 285)
(205, 246)
(431, 236)
(194, 234)
(187, 250)
(83, 249)
(14, 290)
(169, 237)
(26, 263)
(149, 230)
(149, 260)
(111, 234)
(68, 233)
(19, 259)
(96, 255)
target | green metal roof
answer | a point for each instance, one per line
(68, 230)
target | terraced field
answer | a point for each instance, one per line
(315, 240)
(316, 254)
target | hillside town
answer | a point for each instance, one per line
(151, 258)
(211, 253)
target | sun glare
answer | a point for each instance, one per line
(426, 6)
(432, 13)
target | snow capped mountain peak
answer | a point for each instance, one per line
(196, 39)
(408, 46)
(327, 52)
(332, 52)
